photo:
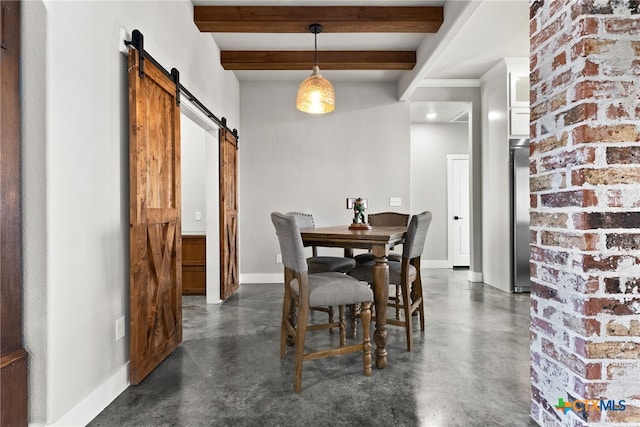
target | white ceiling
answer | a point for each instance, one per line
(475, 36)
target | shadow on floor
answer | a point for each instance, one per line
(469, 368)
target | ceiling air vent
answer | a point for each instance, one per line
(461, 118)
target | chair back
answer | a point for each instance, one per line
(290, 242)
(388, 219)
(416, 235)
(303, 220)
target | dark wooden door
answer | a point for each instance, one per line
(155, 283)
(13, 356)
(229, 276)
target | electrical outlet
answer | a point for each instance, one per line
(123, 36)
(198, 216)
(395, 201)
(120, 330)
(278, 259)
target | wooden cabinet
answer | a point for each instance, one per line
(194, 265)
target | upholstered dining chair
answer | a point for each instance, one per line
(405, 275)
(303, 290)
(384, 219)
(322, 264)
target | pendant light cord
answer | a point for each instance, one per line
(315, 48)
(315, 29)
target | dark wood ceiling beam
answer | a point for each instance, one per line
(334, 19)
(327, 60)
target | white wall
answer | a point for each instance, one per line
(430, 144)
(193, 147)
(496, 242)
(495, 179)
(295, 161)
(76, 186)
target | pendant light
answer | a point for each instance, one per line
(316, 94)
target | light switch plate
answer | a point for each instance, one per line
(395, 201)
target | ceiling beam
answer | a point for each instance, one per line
(327, 60)
(334, 19)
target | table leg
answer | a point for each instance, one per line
(381, 297)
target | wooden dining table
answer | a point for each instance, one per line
(379, 240)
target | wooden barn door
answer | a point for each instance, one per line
(155, 232)
(229, 278)
(13, 356)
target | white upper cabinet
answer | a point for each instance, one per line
(519, 104)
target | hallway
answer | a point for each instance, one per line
(470, 368)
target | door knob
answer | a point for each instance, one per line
(457, 217)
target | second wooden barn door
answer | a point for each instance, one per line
(155, 231)
(229, 277)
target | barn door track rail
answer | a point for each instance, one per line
(137, 42)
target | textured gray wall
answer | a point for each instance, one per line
(430, 144)
(295, 161)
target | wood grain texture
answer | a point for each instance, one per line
(155, 232)
(327, 60)
(334, 19)
(378, 240)
(13, 356)
(229, 274)
(194, 265)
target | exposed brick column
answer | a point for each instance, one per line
(585, 216)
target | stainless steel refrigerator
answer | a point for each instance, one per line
(520, 250)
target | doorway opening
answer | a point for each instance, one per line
(200, 195)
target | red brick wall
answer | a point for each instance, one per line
(585, 209)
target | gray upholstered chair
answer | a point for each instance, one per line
(303, 290)
(322, 264)
(405, 275)
(384, 219)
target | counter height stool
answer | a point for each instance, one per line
(303, 290)
(405, 274)
(384, 219)
(322, 264)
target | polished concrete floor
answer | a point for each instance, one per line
(469, 368)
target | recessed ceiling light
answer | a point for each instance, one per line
(431, 116)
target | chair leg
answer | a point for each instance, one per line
(416, 295)
(365, 317)
(301, 331)
(343, 332)
(397, 301)
(287, 317)
(406, 306)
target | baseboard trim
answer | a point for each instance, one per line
(94, 403)
(262, 278)
(435, 263)
(252, 278)
(475, 277)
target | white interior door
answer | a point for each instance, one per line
(458, 209)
